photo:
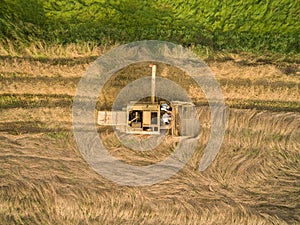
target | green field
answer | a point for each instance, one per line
(234, 25)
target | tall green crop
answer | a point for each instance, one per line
(251, 25)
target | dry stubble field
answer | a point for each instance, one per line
(255, 178)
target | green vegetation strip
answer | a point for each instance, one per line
(33, 101)
(44, 79)
(23, 127)
(277, 106)
(69, 61)
(260, 82)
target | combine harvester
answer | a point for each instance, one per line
(176, 118)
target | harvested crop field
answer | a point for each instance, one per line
(255, 178)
